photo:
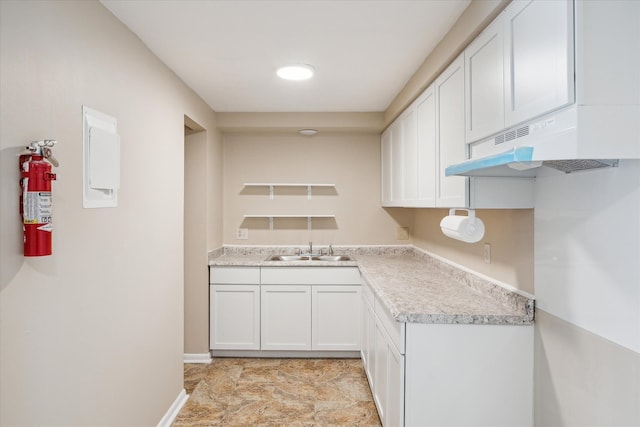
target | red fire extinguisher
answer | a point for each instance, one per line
(35, 199)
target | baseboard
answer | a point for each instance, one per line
(197, 358)
(288, 354)
(174, 409)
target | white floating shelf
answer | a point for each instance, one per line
(309, 218)
(272, 185)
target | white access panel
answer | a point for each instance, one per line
(101, 159)
(104, 159)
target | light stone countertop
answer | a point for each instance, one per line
(418, 290)
(413, 286)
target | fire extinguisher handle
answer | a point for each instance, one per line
(48, 154)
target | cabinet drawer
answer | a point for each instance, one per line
(234, 275)
(395, 330)
(310, 276)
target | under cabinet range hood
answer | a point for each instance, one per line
(571, 97)
(573, 139)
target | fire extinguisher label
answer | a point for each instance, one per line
(47, 227)
(37, 207)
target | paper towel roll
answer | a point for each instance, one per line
(465, 228)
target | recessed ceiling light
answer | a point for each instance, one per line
(308, 132)
(295, 72)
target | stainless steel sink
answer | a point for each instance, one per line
(334, 258)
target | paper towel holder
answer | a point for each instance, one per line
(467, 228)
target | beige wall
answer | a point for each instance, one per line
(292, 122)
(472, 21)
(508, 231)
(93, 335)
(351, 161)
(582, 379)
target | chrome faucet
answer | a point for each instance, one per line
(310, 248)
(330, 249)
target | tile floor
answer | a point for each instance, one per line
(277, 392)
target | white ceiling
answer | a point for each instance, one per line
(227, 51)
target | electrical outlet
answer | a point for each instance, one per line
(403, 233)
(487, 253)
(242, 233)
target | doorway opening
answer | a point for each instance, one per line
(196, 275)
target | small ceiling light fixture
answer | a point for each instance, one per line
(295, 72)
(308, 132)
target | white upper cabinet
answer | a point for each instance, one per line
(418, 132)
(538, 58)
(520, 67)
(397, 163)
(386, 163)
(451, 148)
(409, 126)
(429, 133)
(392, 174)
(426, 142)
(484, 83)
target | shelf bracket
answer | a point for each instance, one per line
(309, 223)
(271, 192)
(309, 192)
(270, 223)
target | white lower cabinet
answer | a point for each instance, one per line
(234, 308)
(285, 308)
(388, 389)
(310, 308)
(335, 317)
(285, 320)
(432, 375)
(367, 351)
(383, 360)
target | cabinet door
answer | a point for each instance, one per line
(285, 317)
(449, 86)
(234, 317)
(368, 340)
(409, 126)
(395, 387)
(397, 159)
(538, 58)
(386, 162)
(336, 317)
(388, 389)
(484, 93)
(380, 377)
(426, 124)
